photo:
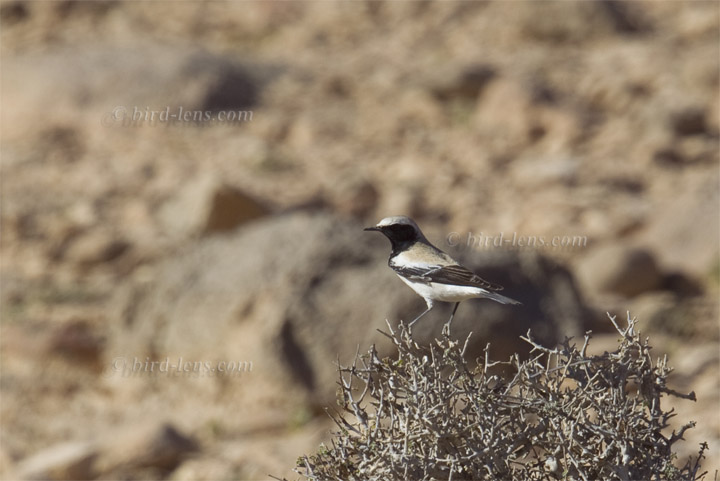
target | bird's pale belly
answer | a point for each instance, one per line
(444, 292)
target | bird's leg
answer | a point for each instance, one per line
(418, 317)
(452, 315)
(430, 306)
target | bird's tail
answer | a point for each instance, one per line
(502, 299)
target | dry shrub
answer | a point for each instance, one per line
(428, 414)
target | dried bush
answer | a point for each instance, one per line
(428, 414)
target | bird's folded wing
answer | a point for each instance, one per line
(455, 274)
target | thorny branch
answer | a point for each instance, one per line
(426, 414)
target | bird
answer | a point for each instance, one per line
(430, 272)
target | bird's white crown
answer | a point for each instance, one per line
(398, 220)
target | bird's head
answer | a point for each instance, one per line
(399, 229)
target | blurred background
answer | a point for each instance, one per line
(235, 236)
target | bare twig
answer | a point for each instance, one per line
(563, 415)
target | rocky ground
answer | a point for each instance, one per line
(131, 241)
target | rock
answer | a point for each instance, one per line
(689, 121)
(61, 144)
(699, 150)
(77, 341)
(419, 109)
(460, 82)
(672, 315)
(702, 357)
(686, 233)
(354, 197)
(620, 269)
(669, 157)
(552, 305)
(544, 171)
(233, 88)
(94, 247)
(504, 111)
(139, 80)
(206, 206)
(324, 290)
(14, 12)
(323, 293)
(580, 23)
(512, 114)
(6, 463)
(683, 285)
(230, 207)
(82, 214)
(67, 460)
(653, 310)
(158, 447)
(263, 456)
(65, 9)
(690, 151)
(205, 469)
(625, 17)
(153, 448)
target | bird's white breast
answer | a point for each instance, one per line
(444, 292)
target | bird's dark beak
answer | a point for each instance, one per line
(372, 228)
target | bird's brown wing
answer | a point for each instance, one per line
(454, 274)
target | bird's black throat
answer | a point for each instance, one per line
(401, 237)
